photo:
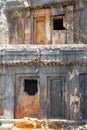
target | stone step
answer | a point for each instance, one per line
(6, 124)
(4, 128)
(7, 121)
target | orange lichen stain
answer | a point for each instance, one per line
(1, 111)
(49, 42)
(58, 41)
(28, 124)
(25, 124)
(27, 106)
(19, 112)
(15, 128)
(40, 32)
(43, 40)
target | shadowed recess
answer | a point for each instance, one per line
(30, 86)
(58, 24)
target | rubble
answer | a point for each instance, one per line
(50, 124)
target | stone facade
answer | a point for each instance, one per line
(43, 62)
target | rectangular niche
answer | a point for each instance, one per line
(56, 99)
(39, 31)
(27, 99)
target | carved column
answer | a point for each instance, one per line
(8, 102)
(70, 25)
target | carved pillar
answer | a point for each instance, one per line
(17, 28)
(27, 28)
(70, 25)
(8, 102)
(80, 17)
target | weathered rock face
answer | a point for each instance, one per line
(39, 2)
(28, 124)
(27, 106)
(17, 30)
(4, 31)
(46, 70)
(45, 77)
(39, 26)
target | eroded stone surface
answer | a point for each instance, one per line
(48, 55)
(27, 106)
(46, 124)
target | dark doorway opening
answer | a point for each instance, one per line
(30, 86)
(58, 24)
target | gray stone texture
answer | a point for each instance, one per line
(4, 31)
(20, 60)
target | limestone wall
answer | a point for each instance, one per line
(4, 31)
(54, 61)
(43, 65)
(80, 19)
(37, 26)
(14, 16)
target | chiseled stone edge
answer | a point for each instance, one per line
(43, 63)
(38, 6)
